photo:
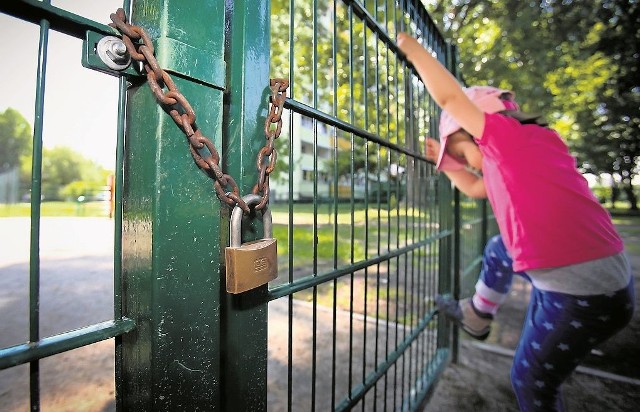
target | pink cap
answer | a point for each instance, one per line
(489, 100)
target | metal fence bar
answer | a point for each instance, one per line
(366, 215)
(35, 350)
(117, 240)
(303, 109)
(57, 19)
(334, 313)
(351, 199)
(36, 193)
(309, 282)
(293, 135)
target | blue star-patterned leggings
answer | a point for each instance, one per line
(559, 330)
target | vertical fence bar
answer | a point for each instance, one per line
(314, 342)
(117, 239)
(334, 313)
(351, 200)
(36, 194)
(366, 208)
(452, 64)
(292, 135)
(118, 181)
(378, 225)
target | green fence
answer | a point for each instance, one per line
(368, 232)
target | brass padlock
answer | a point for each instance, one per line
(250, 264)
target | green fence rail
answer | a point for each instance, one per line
(368, 232)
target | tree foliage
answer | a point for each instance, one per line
(62, 166)
(574, 61)
(15, 139)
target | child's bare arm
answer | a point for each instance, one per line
(442, 86)
(468, 183)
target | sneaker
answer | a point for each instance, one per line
(465, 315)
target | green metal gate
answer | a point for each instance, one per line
(368, 232)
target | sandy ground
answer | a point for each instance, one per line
(77, 290)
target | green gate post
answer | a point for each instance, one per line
(171, 220)
(244, 333)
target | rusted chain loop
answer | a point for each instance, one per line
(279, 84)
(199, 160)
(214, 153)
(262, 176)
(210, 162)
(131, 48)
(217, 171)
(152, 63)
(175, 115)
(232, 198)
(229, 198)
(187, 127)
(159, 92)
(265, 197)
(119, 21)
(178, 107)
(273, 155)
(272, 133)
(276, 111)
(272, 161)
(146, 40)
(168, 81)
(197, 140)
(188, 110)
(278, 89)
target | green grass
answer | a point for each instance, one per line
(87, 209)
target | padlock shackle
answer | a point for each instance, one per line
(235, 225)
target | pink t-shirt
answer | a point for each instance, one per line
(547, 215)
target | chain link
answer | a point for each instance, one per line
(278, 97)
(178, 107)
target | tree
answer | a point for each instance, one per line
(64, 171)
(575, 63)
(15, 139)
(620, 102)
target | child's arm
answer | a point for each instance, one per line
(442, 86)
(468, 183)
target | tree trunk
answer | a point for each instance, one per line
(631, 196)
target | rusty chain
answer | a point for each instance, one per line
(178, 107)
